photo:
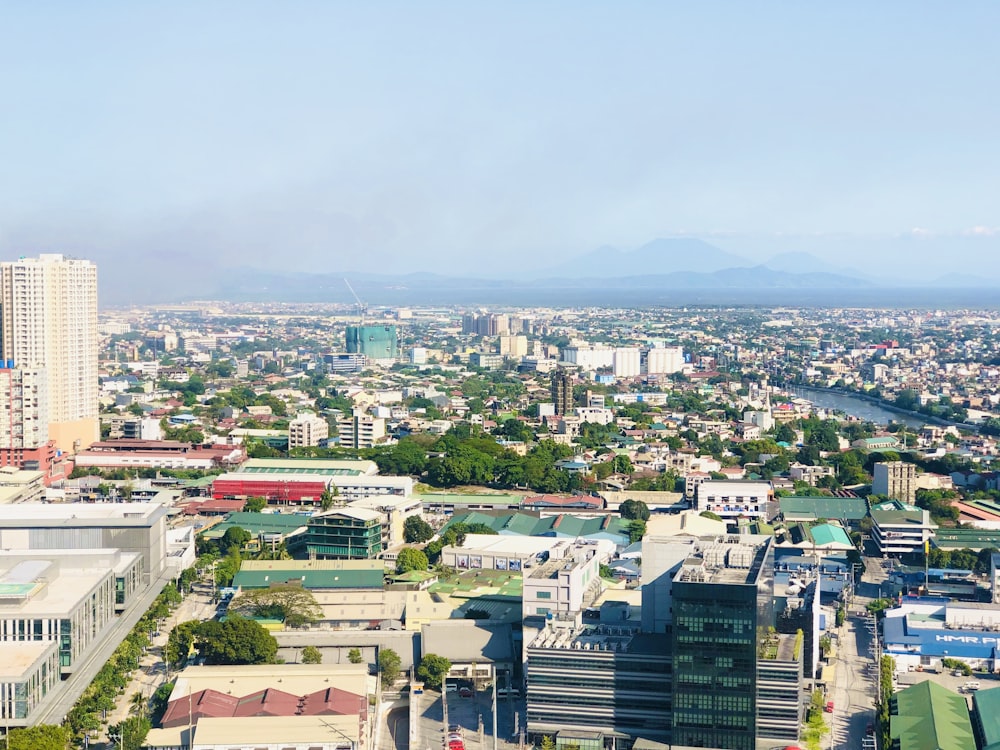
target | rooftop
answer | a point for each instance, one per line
(727, 559)
(328, 467)
(928, 716)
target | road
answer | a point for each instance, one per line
(853, 694)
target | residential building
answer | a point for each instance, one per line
(48, 320)
(307, 430)
(895, 479)
(360, 430)
(24, 416)
(513, 346)
(486, 360)
(561, 389)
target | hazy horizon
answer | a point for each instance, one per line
(487, 138)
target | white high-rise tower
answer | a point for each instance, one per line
(48, 322)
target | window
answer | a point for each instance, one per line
(544, 595)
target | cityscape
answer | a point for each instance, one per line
(721, 527)
(499, 376)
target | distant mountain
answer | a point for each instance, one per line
(661, 256)
(756, 277)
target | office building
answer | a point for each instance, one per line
(379, 344)
(48, 320)
(900, 529)
(561, 389)
(895, 479)
(722, 609)
(360, 430)
(514, 346)
(307, 430)
(341, 534)
(736, 499)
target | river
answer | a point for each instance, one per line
(855, 406)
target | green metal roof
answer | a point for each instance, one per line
(828, 533)
(310, 579)
(527, 524)
(928, 716)
(986, 706)
(848, 508)
(975, 539)
(258, 523)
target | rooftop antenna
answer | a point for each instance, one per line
(362, 309)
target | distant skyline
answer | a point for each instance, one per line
(490, 137)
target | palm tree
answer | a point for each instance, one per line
(138, 705)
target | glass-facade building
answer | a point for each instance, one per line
(722, 613)
(341, 535)
(375, 342)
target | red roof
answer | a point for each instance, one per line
(210, 703)
(332, 701)
(269, 702)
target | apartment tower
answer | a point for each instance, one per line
(48, 321)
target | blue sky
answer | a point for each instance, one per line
(474, 135)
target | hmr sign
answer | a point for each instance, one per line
(976, 640)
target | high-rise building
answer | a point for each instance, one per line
(48, 319)
(379, 344)
(562, 392)
(895, 479)
(360, 430)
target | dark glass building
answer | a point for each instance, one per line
(722, 618)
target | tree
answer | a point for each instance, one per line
(130, 733)
(411, 558)
(40, 737)
(622, 464)
(234, 538)
(634, 509)
(354, 656)
(137, 705)
(312, 655)
(292, 604)
(180, 642)
(433, 669)
(416, 530)
(636, 530)
(326, 500)
(547, 743)
(388, 665)
(255, 504)
(236, 641)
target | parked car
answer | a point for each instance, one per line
(829, 707)
(465, 692)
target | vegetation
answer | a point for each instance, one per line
(887, 669)
(312, 655)
(636, 530)
(293, 605)
(411, 558)
(41, 737)
(416, 530)
(235, 641)
(354, 656)
(433, 669)
(388, 666)
(634, 510)
(958, 664)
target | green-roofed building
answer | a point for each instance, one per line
(849, 509)
(974, 539)
(447, 502)
(311, 574)
(259, 524)
(986, 718)
(562, 525)
(341, 467)
(928, 716)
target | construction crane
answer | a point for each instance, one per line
(361, 305)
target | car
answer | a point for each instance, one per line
(465, 692)
(829, 707)
(870, 729)
(450, 688)
(457, 736)
(454, 727)
(456, 745)
(971, 685)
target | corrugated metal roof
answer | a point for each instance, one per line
(928, 716)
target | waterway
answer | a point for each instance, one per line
(855, 406)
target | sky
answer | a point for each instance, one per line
(487, 137)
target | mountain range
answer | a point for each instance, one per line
(662, 264)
